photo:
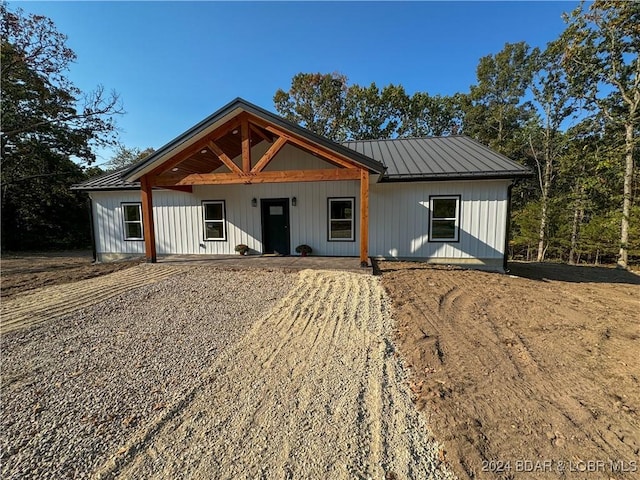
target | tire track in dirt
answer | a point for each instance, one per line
(314, 390)
(513, 370)
(49, 303)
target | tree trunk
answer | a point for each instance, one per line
(578, 213)
(626, 202)
(544, 208)
(543, 227)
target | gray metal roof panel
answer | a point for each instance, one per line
(107, 181)
(438, 157)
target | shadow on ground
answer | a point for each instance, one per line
(572, 273)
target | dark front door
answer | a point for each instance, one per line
(275, 226)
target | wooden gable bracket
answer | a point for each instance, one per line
(269, 154)
(322, 152)
(260, 133)
(224, 158)
(180, 157)
(193, 149)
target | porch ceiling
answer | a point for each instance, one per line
(205, 160)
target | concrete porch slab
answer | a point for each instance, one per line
(351, 264)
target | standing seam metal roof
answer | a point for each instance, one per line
(107, 181)
(438, 158)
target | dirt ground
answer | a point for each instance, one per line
(529, 375)
(47, 304)
(20, 272)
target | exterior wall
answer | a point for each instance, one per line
(179, 224)
(398, 220)
(108, 225)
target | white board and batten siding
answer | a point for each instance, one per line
(179, 220)
(398, 220)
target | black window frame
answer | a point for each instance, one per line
(125, 221)
(353, 219)
(458, 199)
(223, 221)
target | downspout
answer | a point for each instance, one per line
(507, 230)
(94, 249)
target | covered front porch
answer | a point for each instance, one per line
(217, 163)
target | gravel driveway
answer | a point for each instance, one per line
(216, 374)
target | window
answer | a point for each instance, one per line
(445, 219)
(341, 223)
(214, 222)
(132, 215)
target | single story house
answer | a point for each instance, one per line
(247, 176)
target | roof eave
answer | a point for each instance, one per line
(114, 188)
(456, 176)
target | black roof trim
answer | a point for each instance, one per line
(456, 176)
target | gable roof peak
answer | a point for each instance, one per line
(226, 113)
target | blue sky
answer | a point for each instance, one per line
(174, 63)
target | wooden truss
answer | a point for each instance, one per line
(192, 166)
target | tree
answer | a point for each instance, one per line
(316, 101)
(46, 121)
(556, 102)
(497, 109)
(373, 114)
(601, 56)
(426, 115)
(126, 156)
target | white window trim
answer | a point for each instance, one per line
(352, 219)
(456, 219)
(125, 221)
(223, 221)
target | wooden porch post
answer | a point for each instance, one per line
(364, 218)
(147, 220)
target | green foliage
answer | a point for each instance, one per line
(371, 113)
(426, 115)
(498, 110)
(317, 102)
(525, 223)
(602, 60)
(46, 122)
(127, 156)
(327, 105)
